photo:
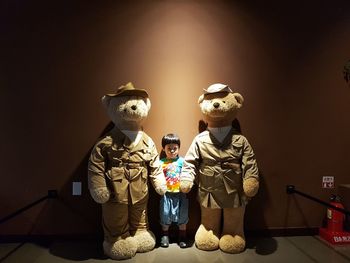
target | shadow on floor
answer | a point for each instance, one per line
(78, 251)
(12, 251)
(262, 246)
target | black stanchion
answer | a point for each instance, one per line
(51, 194)
(290, 189)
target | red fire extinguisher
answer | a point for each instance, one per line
(335, 219)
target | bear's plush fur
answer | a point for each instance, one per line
(222, 162)
(120, 165)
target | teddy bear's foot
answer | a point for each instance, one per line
(145, 239)
(232, 244)
(121, 249)
(206, 240)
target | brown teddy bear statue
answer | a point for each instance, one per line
(222, 162)
(120, 165)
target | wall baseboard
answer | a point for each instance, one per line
(50, 238)
(275, 232)
(280, 232)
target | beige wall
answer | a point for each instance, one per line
(59, 59)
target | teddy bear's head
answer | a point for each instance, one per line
(127, 107)
(219, 105)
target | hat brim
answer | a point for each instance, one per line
(222, 89)
(132, 92)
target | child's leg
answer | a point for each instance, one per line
(165, 230)
(165, 220)
(183, 243)
(164, 240)
(183, 219)
(182, 227)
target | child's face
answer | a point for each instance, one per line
(171, 150)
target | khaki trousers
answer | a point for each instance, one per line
(122, 220)
(232, 219)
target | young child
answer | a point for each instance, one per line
(173, 204)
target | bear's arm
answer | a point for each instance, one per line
(249, 164)
(96, 174)
(155, 171)
(189, 171)
(250, 171)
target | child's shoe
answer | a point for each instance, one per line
(164, 241)
(183, 242)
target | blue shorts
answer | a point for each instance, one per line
(173, 208)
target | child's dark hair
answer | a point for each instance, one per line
(170, 138)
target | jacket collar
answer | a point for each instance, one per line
(211, 139)
(121, 139)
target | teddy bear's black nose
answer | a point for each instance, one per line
(133, 107)
(216, 104)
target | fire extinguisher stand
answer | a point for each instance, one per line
(334, 232)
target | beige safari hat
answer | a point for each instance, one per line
(129, 90)
(217, 87)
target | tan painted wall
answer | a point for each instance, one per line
(59, 59)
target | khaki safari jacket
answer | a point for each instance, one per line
(220, 168)
(124, 168)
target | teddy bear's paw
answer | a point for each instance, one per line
(100, 195)
(145, 239)
(161, 190)
(206, 240)
(232, 244)
(251, 187)
(185, 186)
(121, 249)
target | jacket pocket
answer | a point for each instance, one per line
(235, 167)
(114, 153)
(138, 183)
(237, 150)
(232, 180)
(119, 184)
(207, 178)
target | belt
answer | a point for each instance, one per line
(231, 164)
(131, 165)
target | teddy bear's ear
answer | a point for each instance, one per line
(105, 101)
(200, 99)
(202, 126)
(239, 99)
(148, 103)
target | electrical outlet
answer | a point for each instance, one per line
(76, 190)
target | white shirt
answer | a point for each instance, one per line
(134, 136)
(220, 132)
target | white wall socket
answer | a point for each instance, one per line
(76, 190)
